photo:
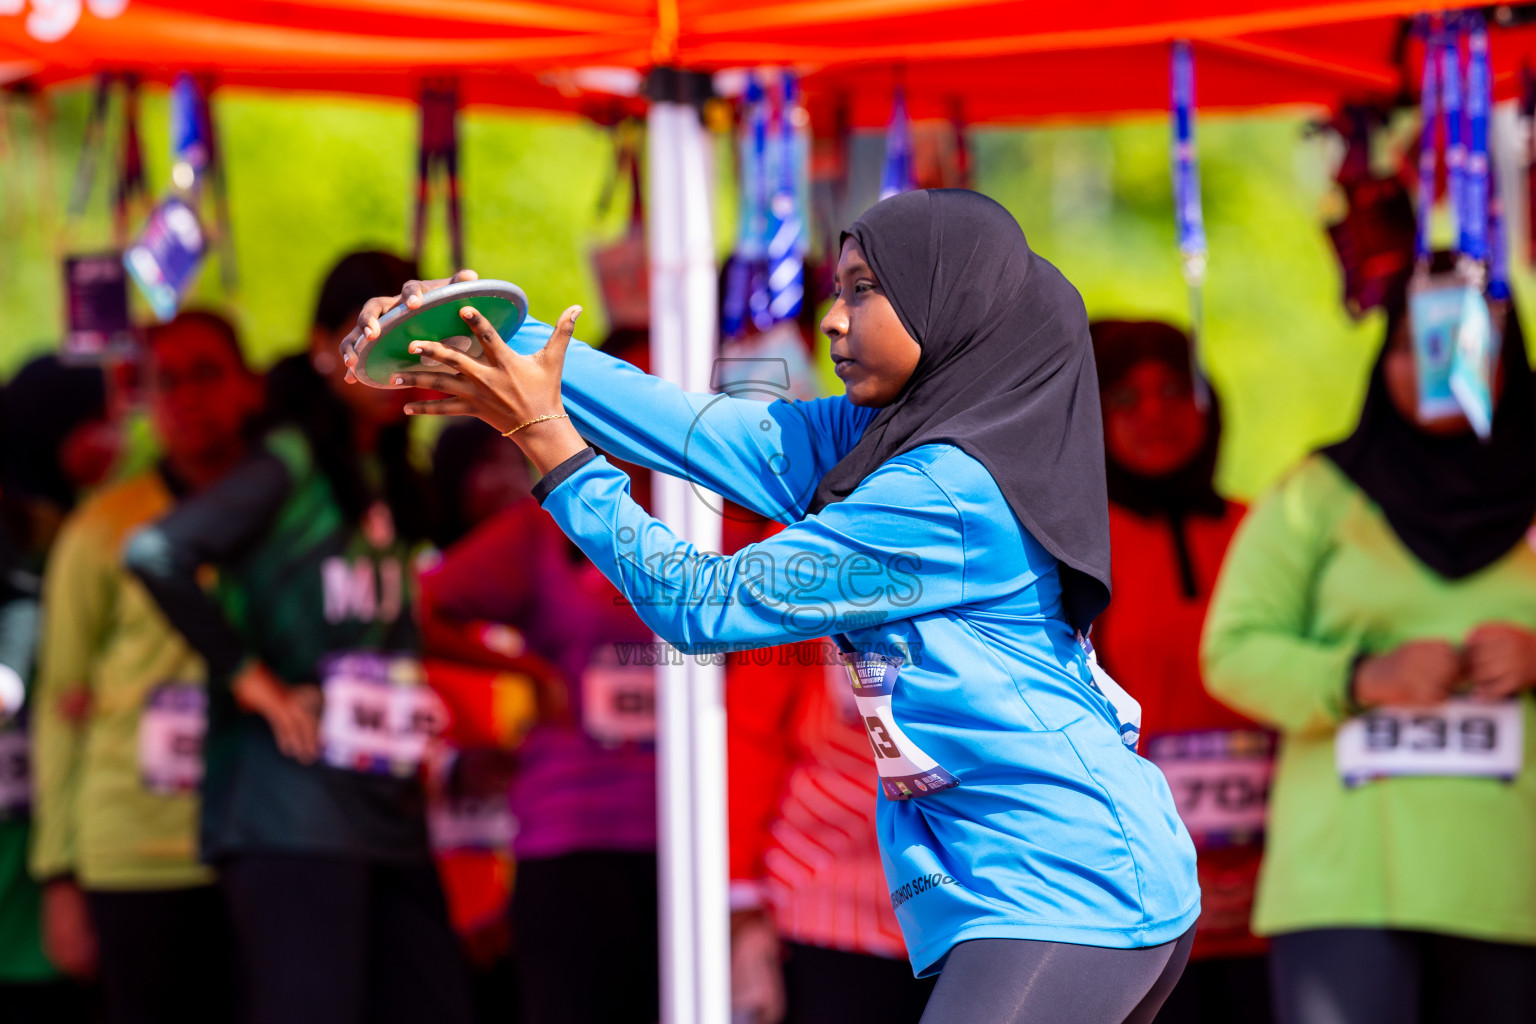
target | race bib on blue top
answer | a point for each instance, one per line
(905, 770)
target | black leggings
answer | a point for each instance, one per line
(166, 955)
(1382, 976)
(1021, 981)
(333, 941)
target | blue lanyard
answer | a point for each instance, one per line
(1498, 244)
(786, 223)
(754, 192)
(1186, 167)
(896, 174)
(756, 242)
(190, 148)
(1189, 215)
(1473, 216)
(1459, 108)
(1451, 117)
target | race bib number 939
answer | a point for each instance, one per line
(1459, 737)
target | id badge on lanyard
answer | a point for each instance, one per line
(618, 701)
(1454, 348)
(905, 770)
(1220, 782)
(1460, 737)
(172, 727)
(379, 715)
(1456, 334)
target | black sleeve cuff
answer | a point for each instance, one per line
(557, 476)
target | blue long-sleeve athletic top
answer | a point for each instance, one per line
(1057, 831)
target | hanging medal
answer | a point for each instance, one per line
(97, 324)
(1454, 341)
(1472, 363)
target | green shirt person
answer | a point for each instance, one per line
(120, 709)
(61, 442)
(1379, 609)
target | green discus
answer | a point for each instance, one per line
(437, 319)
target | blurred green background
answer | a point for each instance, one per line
(313, 177)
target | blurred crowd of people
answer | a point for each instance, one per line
(309, 720)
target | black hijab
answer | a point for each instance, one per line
(1458, 503)
(1118, 346)
(1006, 374)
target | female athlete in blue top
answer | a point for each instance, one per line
(947, 523)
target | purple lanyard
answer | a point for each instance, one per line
(1473, 215)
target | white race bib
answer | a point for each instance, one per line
(905, 770)
(471, 823)
(1459, 737)
(618, 702)
(171, 731)
(1220, 782)
(15, 773)
(379, 714)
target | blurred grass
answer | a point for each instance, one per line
(312, 178)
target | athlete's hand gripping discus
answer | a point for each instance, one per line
(437, 319)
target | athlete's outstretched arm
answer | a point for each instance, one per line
(894, 549)
(765, 456)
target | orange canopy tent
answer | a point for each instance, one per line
(1001, 60)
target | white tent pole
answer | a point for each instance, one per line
(706, 678)
(695, 926)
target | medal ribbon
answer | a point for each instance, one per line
(896, 174)
(1189, 216)
(786, 221)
